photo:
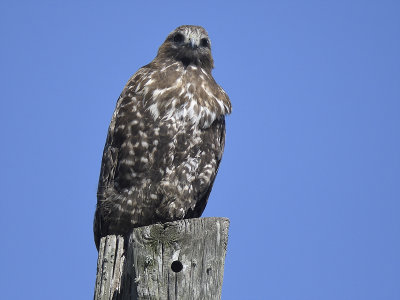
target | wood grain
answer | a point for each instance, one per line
(176, 260)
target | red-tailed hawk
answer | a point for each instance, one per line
(165, 140)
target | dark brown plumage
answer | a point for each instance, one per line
(165, 140)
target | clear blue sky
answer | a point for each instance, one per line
(310, 178)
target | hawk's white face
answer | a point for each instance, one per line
(188, 44)
(193, 37)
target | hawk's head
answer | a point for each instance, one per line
(188, 44)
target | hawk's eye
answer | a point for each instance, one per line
(204, 42)
(179, 38)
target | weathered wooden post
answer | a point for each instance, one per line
(177, 260)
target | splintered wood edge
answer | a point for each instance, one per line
(112, 257)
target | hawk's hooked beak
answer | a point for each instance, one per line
(193, 43)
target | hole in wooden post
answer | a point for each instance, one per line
(176, 266)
